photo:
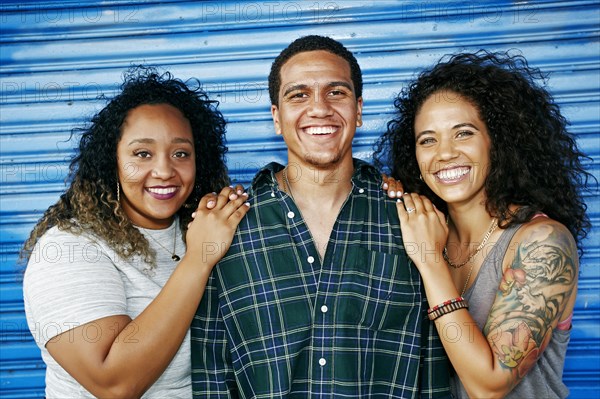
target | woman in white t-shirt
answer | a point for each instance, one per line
(111, 287)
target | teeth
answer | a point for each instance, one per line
(162, 191)
(316, 130)
(452, 174)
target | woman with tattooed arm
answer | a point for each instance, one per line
(493, 219)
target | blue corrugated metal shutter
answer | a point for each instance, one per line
(57, 57)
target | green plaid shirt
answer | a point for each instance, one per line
(275, 322)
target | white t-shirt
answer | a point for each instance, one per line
(72, 280)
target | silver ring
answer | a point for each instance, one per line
(410, 210)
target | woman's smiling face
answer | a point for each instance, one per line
(156, 164)
(452, 147)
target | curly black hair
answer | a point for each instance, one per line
(535, 161)
(90, 202)
(312, 43)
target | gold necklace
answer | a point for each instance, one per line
(479, 248)
(174, 256)
(487, 236)
(467, 281)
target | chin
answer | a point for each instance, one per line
(323, 161)
(164, 214)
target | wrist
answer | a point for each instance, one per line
(446, 307)
(197, 263)
(424, 258)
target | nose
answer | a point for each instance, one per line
(319, 107)
(447, 149)
(163, 168)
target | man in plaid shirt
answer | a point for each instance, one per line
(316, 297)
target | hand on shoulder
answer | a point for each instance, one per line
(394, 188)
(211, 232)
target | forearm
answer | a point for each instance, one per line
(466, 347)
(162, 326)
(140, 349)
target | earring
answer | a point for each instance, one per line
(118, 192)
(420, 176)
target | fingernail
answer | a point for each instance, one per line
(245, 194)
(385, 185)
(210, 203)
(398, 200)
(247, 203)
(193, 214)
(392, 193)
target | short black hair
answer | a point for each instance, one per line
(312, 43)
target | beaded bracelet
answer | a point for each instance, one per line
(446, 307)
(445, 303)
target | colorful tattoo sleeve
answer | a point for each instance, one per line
(531, 298)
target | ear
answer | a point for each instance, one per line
(275, 115)
(359, 105)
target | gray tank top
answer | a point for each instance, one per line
(544, 380)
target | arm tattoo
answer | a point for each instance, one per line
(531, 298)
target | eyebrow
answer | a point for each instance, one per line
(465, 125)
(295, 87)
(453, 128)
(343, 84)
(176, 140)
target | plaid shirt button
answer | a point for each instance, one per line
(322, 362)
(310, 260)
(324, 309)
(291, 214)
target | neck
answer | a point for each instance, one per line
(319, 194)
(467, 225)
(319, 185)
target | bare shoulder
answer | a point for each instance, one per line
(539, 279)
(546, 252)
(541, 236)
(543, 226)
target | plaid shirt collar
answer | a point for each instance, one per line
(363, 172)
